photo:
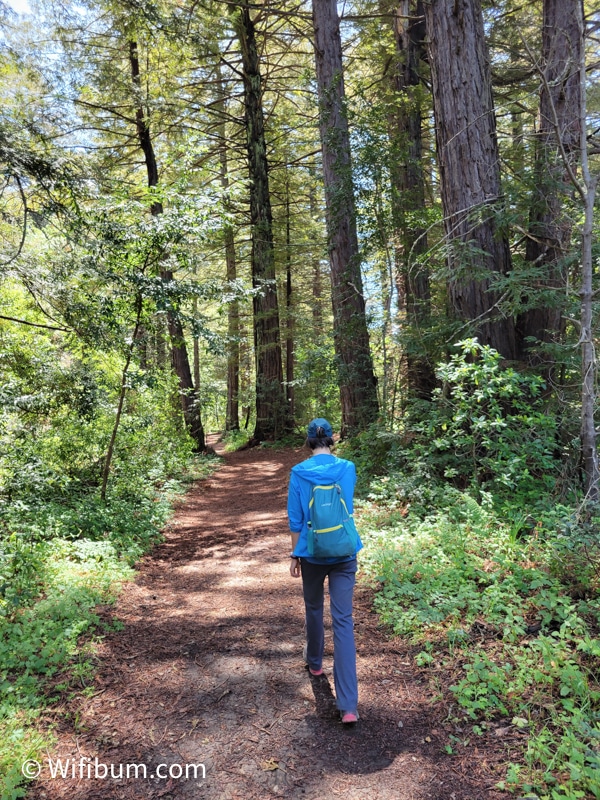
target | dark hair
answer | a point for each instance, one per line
(320, 440)
(314, 443)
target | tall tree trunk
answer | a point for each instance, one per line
(317, 275)
(232, 415)
(517, 114)
(196, 354)
(358, 391)
(560, 118)
(586, 190)
(232, 421)
(589, 367)
(408, 185)
(468, 161)
(179, 355)
(319, 393)
(386, 281)
(271, 409)
(121, 401)
(289, 342)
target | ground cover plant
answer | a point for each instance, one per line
(499, 590)
(496, 612)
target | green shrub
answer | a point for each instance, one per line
(236, 439)
(487, 426)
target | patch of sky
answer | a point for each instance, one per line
(20, 6)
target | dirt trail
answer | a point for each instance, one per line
(208, 670)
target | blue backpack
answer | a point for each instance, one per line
(331, 529)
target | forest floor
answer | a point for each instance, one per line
(208, 670)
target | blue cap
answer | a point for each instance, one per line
(319, 428)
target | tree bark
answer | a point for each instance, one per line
(232, 414)
(358, 391)
(196, 353)
(319, 395)
(408, 185)
(588, 352)
(317, 275)
(550, 228)
(232, 417)
(587, 191)
(179, 354)
(271, 409)
(289, 342)
(468, 162)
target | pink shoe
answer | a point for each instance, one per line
(315, 672)
(349, 717)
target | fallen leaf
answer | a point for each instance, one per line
(270, 766)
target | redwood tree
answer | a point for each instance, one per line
(272, 417)
(469, 168)
(357, 381)
(232, 418)
(408, 181)
(557, 143)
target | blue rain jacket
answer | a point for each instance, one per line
(319, 469)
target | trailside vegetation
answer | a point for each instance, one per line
(235, 216)
(483, 559)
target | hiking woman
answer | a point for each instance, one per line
(326, 471)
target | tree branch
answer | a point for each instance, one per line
(34, 324)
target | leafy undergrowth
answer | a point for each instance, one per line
(507, 615)
(233, 440)
(58, 562)
(240, 439)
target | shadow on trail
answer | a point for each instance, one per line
(324, 698)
